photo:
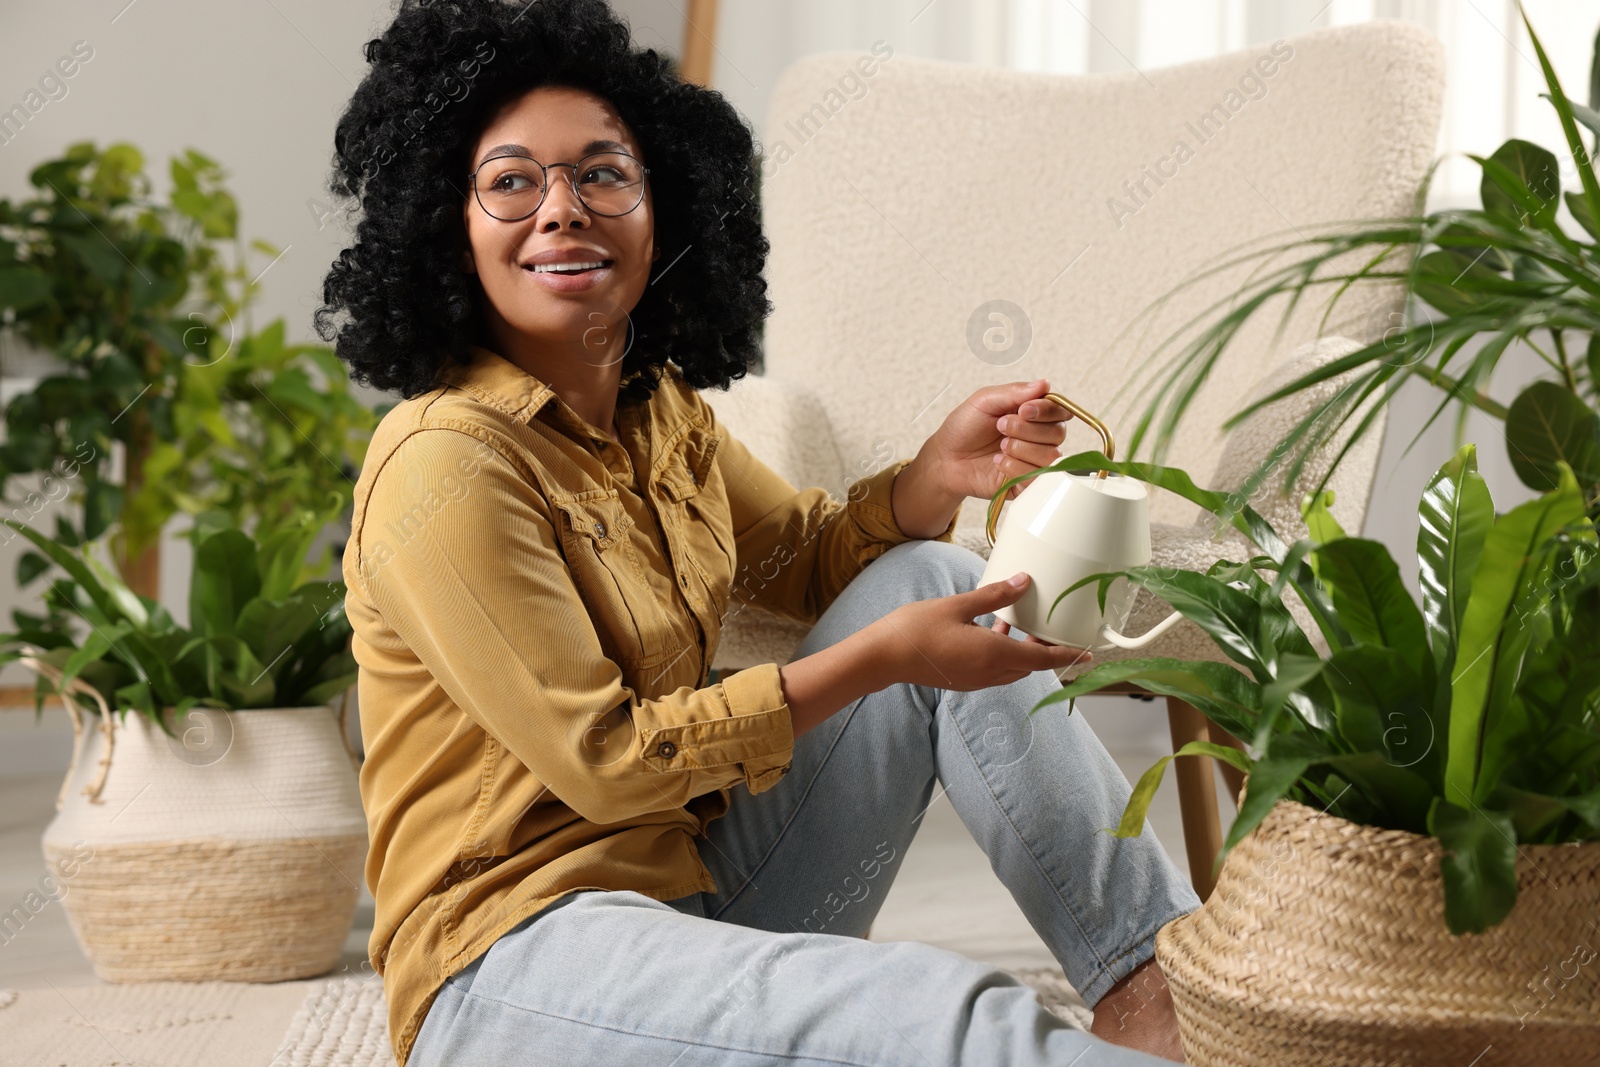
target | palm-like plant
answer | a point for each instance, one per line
(1504, 274)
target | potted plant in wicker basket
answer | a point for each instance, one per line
(1414, 872)
(213, 826)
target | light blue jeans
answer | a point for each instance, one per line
(773, 969)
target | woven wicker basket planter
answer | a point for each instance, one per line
(233, 853)
(1324, 943)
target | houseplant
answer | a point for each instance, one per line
(145, 307)
(1480, 281)
(1405, 789)
(232, 846)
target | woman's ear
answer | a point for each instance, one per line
(468, 264)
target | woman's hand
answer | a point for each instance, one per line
(998, 432)
(935, 642)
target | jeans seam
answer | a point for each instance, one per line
(660, 1037)
(777, 838)
(1103, 964)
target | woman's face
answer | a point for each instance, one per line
(541, 310)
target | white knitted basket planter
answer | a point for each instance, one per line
(233, 852)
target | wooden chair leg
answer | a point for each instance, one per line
(1230, 774)
(1197, 795)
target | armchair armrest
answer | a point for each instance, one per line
(785, 425)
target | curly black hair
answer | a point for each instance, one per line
(397, 305)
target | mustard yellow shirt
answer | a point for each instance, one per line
(535, 612)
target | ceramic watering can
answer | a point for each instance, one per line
(1064, 527)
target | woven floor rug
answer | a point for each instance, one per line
(329, 1022)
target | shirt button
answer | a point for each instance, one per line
(600, 529)
(666, 750)
(683, 580)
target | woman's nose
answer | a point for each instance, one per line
(561, 200)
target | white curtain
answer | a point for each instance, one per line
(756, 39)
(1493, 74)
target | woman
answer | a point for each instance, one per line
(548, 533)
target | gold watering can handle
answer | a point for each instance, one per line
(1106, 445)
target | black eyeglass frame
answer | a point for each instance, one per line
(544, 176)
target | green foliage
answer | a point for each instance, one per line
(1506, 273)
(1474, 718)
(148, 319)
(257, 636)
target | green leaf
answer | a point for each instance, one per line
(1296, 673)
(1319, 520)
(1494, 633)
(103, 258)
(1455, 283)
(1144, 791)
(1583, 213)
(1456, 514)
(324, 692)
(1569, 129)
(1386, 705)
(1524, 170)
(1548, 425)
(1588, 116)
(1230, 616)
(1224, 694)
(23, 287)
(1479, 866)
(1270, 778)
(1400, 797)
(96, 643)
(225, 579)
(102, 505)
(1371, 600)
(283, 549)
(29, 566)
(1592, 363)
(75, 567)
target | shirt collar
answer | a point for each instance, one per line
(494, 380)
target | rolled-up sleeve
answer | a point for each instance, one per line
(461, 558)
(799, 548)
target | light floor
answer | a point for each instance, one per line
(945, 893)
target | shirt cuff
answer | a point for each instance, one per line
(871, 507)
(758, 733)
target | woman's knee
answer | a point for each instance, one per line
(924, 569)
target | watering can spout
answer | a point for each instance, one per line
(1145, 638)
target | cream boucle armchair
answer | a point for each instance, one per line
(902, 201)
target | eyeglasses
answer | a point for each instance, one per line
(510, 188)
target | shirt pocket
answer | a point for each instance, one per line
(691, 479)
(596, 533)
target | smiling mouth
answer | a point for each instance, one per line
(576, 268)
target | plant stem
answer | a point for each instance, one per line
(1566, 364)
(1478, 399)
(1554, 365)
